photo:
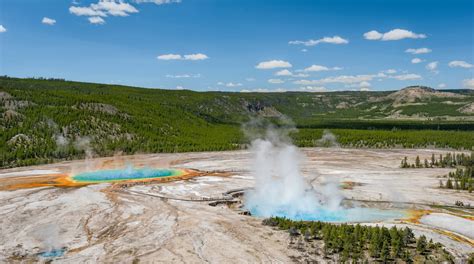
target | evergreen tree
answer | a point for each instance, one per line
(385, 252)
(421, 244)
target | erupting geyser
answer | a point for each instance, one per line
(280, 189)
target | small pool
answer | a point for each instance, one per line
(54, 253)
(350, 215)
(124, 175)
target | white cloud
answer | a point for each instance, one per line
(394, 34)
(273, 64)
(442, 85)
(96, 20)
(2, 29)
(416, 60)
(103, 8)
(346, 79)
(312, 42)
(406, 77)
(169, 57)
(158, 2)
(284, 72)
(262, 90)
(317, 68)
(85, 11)
(250, 79)
(229, 84)
(361, 79)
(48, 21)
(390, 71)
(468, 83)
(461, 64)
(179, 76)
(179, 87)
(304, 50)
(373, 35)
(418, 51)
(193, 57)
(276, 81)
(113, 8)
(313, 89)
(364, 84)
(197, 56)
(432, 66)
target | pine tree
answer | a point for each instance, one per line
(449, 184)
(385, 251)
(421, 244)
(417, 162)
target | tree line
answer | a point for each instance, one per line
(364, 244)
(460, 179)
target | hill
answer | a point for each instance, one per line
(49, 120)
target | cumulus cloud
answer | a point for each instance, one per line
(96, 20)
(418, 51)
(313, 89)
(193, 57)
(85, 11)
(317, 68)
(197, 56)
(313, 42)
(432, 66)
(273, 64)
(2, 29)
(416, 60)
(394, 34)
(390, 71)
(364, 84)
(105, 8)
(48, 21)
(229, 84)
(460, 64)
(288, 73)
(169, 57)
(263, 90)
(179, 76)
(284, 72)
(250, 79)
(158, 2)
(442, 85)
(113, 8)
(406, 77)
(468, 83)
(276, 81)
(361, 79)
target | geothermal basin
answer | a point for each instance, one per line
(169, 219)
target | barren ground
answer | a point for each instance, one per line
(103, 223)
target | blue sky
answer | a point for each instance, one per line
(245, 45)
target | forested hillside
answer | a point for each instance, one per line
(49, 120)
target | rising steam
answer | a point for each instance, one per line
(280, 188)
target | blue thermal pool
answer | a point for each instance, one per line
(125, 175)
(353, 215)
(54, 253)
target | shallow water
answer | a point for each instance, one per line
(54, 253)
(124, 174)
(352, 215)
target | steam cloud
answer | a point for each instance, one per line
(327, 140)
(280, 189)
